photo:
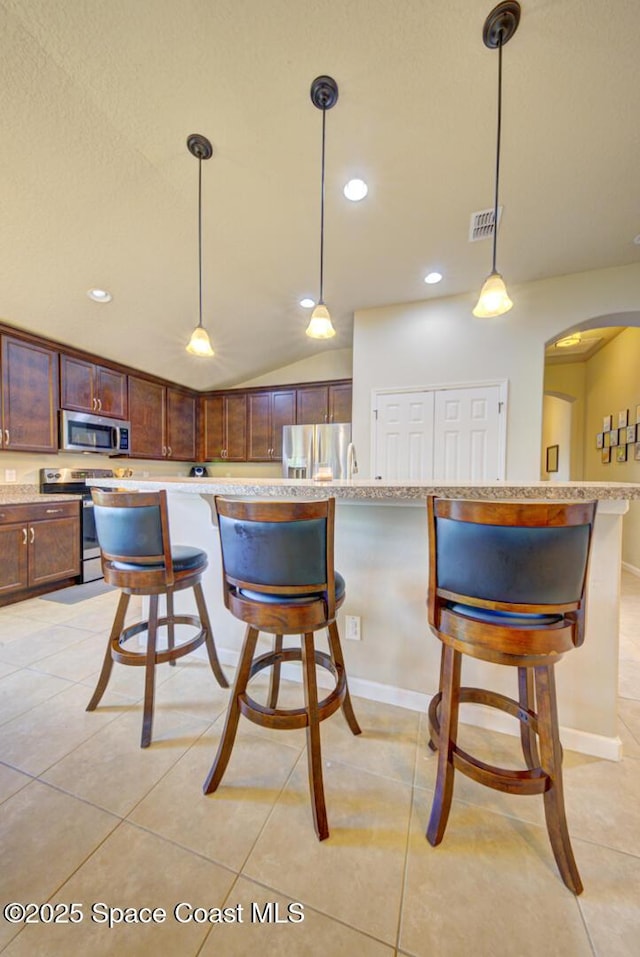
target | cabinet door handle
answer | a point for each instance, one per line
(93, 404)
(164, 449)
(33, 535)
(99, 405)
(169, 452)
(24, 536)
(6, 436)
(53, 511)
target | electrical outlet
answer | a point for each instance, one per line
(352, 627)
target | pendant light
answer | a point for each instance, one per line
(499, 27)
(199, 344)
(324, 95)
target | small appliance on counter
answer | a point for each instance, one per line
(320, 452)
(199, 471)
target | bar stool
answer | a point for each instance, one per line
(278, 577)
(137, 556)
(507, 585)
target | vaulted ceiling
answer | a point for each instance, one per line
(97, 187)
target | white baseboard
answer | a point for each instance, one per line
(633, 569)
(595, 745)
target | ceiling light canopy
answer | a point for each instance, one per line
(499, 27)
(199, 343)
(99, 295)
(324, 95)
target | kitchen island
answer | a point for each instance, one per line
(381, 548)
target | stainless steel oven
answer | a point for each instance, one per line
(74, 482)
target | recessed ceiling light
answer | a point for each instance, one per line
(355, 190)
(99, 295)
(433, 277)
(307, 303)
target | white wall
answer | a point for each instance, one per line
(568, 379)
(439, 342)
(328, 364)
(556, 430)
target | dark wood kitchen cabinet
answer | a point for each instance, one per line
(324, 402)
(87, 387)
(29, 404)
(225, 427)
(267, 413)
(39, 548)
(163, 421)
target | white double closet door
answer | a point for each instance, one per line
(448, 434)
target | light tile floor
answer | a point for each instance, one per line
(88, 817)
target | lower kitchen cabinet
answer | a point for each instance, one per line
(39, 548)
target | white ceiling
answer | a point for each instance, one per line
(97, 187)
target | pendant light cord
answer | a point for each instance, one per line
(321, 300)
(200, 241)
(495, 205)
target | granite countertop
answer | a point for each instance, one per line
(29, 494)
(372, 490)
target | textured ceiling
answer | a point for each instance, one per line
(97, 187)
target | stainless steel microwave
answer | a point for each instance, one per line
(82, 432)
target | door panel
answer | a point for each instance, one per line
(466, 429)
(404, 436)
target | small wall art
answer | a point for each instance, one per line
(599, 440)
(631, 434)
(552, 458)
(613, 437)
(637, 455)
(621, 453)
(605, 456)
(607, 423)
(623, 418)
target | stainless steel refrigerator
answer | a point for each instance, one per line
(318, 451)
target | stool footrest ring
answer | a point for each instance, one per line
(531, 781)
(128, 657)
(289, 718)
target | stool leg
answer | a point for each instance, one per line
(314, 754)
(551, 755)
(171, 630)
(338, 659)
(107, 664)
(225, 747)
(432, 745)
(209, 642)
(528, 736)
(449, 707)
(274, 681)
(150, 672)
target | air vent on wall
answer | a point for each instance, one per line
(481, 225)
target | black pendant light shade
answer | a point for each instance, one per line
(324, 95)
(498, 29)
(199, 343)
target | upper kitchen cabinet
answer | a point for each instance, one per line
(163, 421)
(225, 427)
(29, 407)
(86, 387)
(324, 402)
(180, 426)
(267, 413)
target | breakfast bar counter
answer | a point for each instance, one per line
(381, 548)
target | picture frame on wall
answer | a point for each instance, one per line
(637, 455)
(621, 453)
(623, 418)
(605, 456)
(638, 414)
(600, 440)
(606, 440)
(613, 437)
(631, 434)
(552, 458)
(607, 423)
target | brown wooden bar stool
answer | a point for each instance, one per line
(278, 577)
(137, 557)
(507, 584)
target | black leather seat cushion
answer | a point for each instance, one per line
(294, 599)
(505, 618)
(185, 558)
